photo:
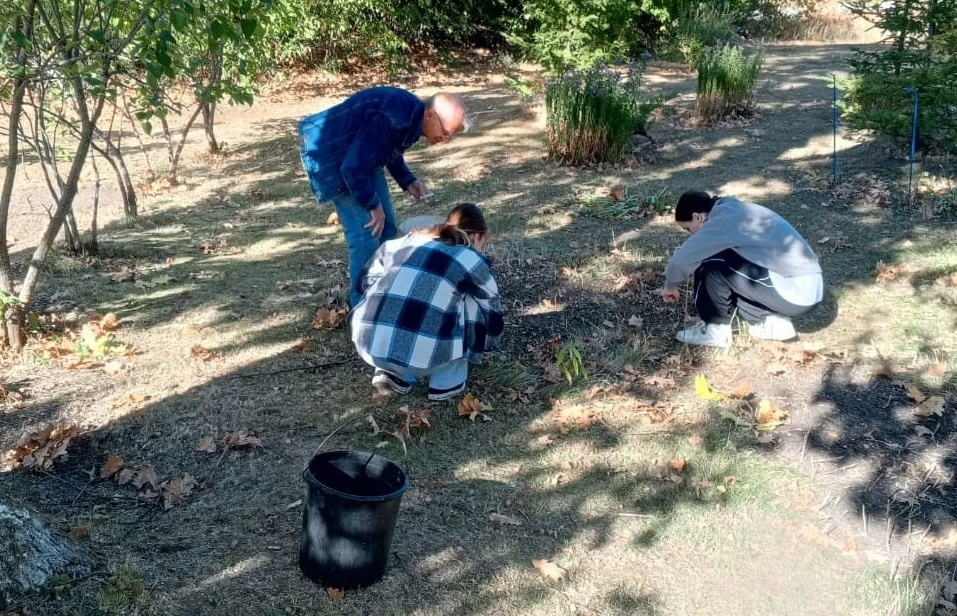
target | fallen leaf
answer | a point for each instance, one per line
(38, 450)
(206, 444)
(176, 489)
(472, 407)
(938, 368)
(336, 593)
(704, 391)
(549, 570)
(544, 440)
(504, 519)
(236, 440)
(112, 467)
(202, 353)
(635, 321)
(329, 318)
(146, 478)
(931, 406)
(915, 394)
(768, 416)
(616, 193)
(742, 391)
(109, 322)
(79, 532)
(678, 464)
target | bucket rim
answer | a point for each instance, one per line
(312, 480)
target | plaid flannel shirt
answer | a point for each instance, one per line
(426, 303)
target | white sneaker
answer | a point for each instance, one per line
(774, 327)
(703, 334)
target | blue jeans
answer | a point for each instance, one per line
(444, 377)
(362, 245)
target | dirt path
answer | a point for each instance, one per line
(828, 517)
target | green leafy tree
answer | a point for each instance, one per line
(919, 52)
(64, 63)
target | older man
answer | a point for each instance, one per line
(346, 148)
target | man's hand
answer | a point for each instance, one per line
(418, 190)
(671, 294)
(377, 224)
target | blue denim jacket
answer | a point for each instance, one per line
(343, 146)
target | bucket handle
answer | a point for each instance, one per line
(331, 434)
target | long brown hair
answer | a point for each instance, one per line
(464, 219)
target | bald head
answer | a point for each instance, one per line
(445, 116)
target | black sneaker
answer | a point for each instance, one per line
(437, 395)
(385, 383)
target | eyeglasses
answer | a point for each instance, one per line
(446, 133)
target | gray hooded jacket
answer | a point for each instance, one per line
(754, 232)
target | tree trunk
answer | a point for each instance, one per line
(209, 120)
(114, 157)
(30, 554)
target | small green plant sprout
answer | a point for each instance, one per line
(570, 362)
(6, 301)
(619, 204)
(58, 585)
(123, 590)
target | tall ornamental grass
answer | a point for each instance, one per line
(591, 115)
(726, 80)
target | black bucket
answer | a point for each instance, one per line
(349, 517)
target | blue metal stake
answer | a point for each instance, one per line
(834, 80)
(913, 143)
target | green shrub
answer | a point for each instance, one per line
(591, 115)
(726, 80)
(697, 27)
(578, 34)
(874, 99)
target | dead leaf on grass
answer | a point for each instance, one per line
(678, 464)
(109, 322)
(768, 416)
(505, 520)
(472, 407)
(616, 193)
(915, 394)
(549, 570)
(176, 489)
(111, 467)
(38, 450)
(202, 353)
(146, 478)
(238, 440)
(79, 532)
(741, 392)
(938, 368)
(124, 274)
(929, 407)
(329, 318)
(206, 444)
(336, 593)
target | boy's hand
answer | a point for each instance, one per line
(671, 294)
